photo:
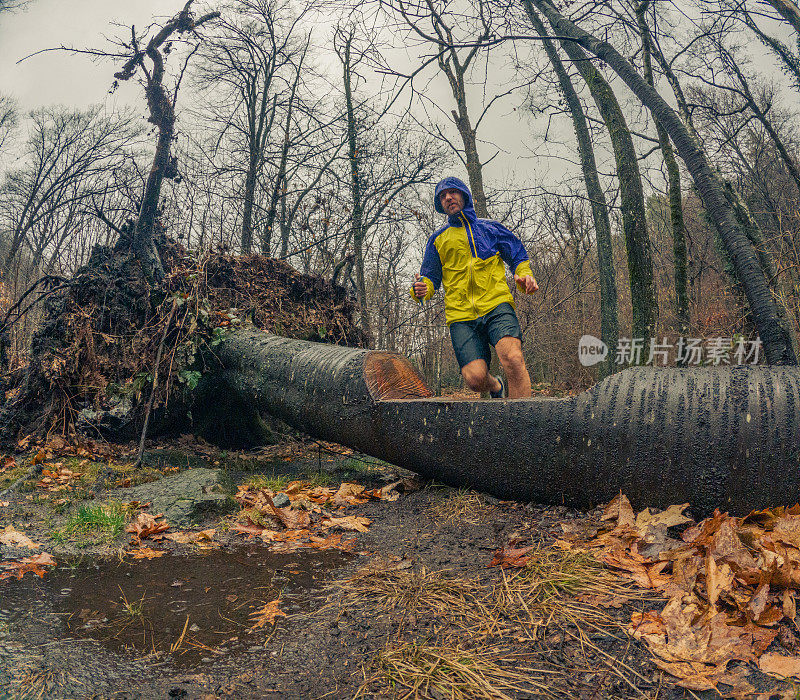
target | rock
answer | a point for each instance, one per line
(279, 500)
(183, 498)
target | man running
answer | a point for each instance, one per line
(467, 255)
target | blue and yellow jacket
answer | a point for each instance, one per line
(467, 255)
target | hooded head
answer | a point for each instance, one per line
(454, 183)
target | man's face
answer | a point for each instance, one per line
(452, 200)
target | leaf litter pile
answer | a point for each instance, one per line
(730, 584)
(309, 516)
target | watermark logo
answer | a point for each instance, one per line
(591, 350)
(659, 352)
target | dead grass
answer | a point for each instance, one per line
(390, 587)
(560, 594)
(557, 587)
(464, 506)
(416, 670)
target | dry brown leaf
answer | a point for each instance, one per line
(332, 541)
(670, 517)
(267, 614)
(350, 494)
(292, 518)
(248, 528)
(190, 537)
(14, 538)
(511, 557)
(34, 564)
(145, 525)
(620, 510)
(780, 665)
(146, 553)
(719, 580)
(350, 522)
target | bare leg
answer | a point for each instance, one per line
(509, 352)
(476, 376)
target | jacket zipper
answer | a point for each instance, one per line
(473, 255)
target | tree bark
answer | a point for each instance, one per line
(774, 334)
(609, 318)
(662, 435)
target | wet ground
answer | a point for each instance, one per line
(186, 624)
(194, 607)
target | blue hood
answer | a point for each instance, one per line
(468, 210)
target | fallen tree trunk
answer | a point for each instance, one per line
(726, 437)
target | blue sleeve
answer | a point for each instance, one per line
(510, 247)
(432, 264)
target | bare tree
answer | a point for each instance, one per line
(674, 192)
(457, 41)
(161, 105)
(248, 73)
(67, 160)
(640, 262)
(9, 119)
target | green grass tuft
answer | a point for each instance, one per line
(93, 524)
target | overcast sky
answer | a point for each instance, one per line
(75, 80)
(59, 77)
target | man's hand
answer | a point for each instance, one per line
(527, 284)
(420, 287)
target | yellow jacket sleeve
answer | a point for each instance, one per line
(523, 270)
(428, 294)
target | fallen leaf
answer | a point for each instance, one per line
(248, 528)
(510, 557)
(332, 541)
(350, 522)
(146, 553)
(292, 518)
(619, 509)
(32, 564)
(190, 537)
(670, 517)
(145, 525)
(14, 538)
(349, 494)
(719, 580)
(780, 665)
(267, 614)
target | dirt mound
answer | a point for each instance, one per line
(93, 361)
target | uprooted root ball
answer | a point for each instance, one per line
(92, 361)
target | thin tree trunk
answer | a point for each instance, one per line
(609, 318)
(774, 334)
(675, 195)
(248, 198)
(644, 301)
(471, 156)
(355, 190)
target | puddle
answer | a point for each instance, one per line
(143, 607)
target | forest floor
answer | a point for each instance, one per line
(309, 571)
